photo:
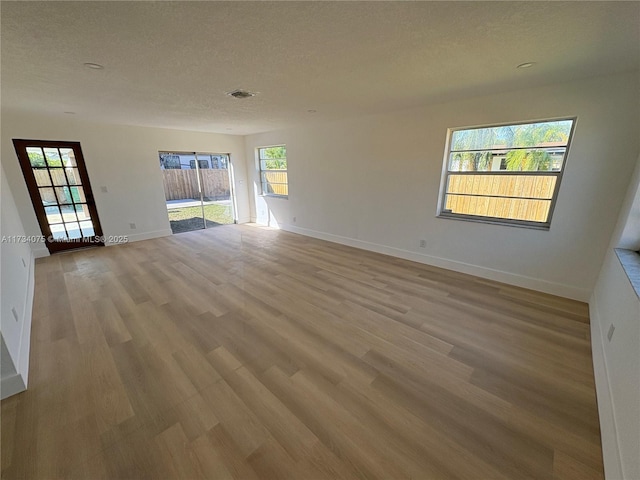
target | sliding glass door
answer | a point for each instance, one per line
(198, 190)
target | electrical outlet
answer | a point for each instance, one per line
(104, 189)
(15, 313)
(610, 333)
(132, 226)
(294, 219)
(423, 244)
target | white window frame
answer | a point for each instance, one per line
(263, 191)
(444, 182)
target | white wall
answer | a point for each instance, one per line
(627, 234)
(617, 361)
(373, 182)
(16, 292)
(125, 160)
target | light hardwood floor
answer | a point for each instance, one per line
(243, 352)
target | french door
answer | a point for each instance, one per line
(59, 187)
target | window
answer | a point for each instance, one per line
(508, 174)
(169, 161)
(219, 161)
(201, 164)
(273, 170)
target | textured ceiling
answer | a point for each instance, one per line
(169, 64)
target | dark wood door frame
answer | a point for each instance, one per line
(57, 245)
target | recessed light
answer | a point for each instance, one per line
(526, 65)
(241, 93)
(93, 66)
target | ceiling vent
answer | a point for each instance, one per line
(241, 94)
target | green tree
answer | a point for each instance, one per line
(274, 158)
(476, 138)
(471, 161)
(37, 159)
(474, 149)
(535, 135)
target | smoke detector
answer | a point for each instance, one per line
(241, 94)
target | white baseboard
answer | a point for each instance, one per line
(532, 283)
(165, 232)
(40, 251)
(608, 430)
(18, 381)
(11, 385)
(25, 343)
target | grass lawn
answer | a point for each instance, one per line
(190, 218)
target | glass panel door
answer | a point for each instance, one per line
(197, 189)
(61, 194)
(217, 200)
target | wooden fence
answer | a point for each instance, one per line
(182, 184)
(65, 194)
(538, 188)
(278, 182)
(58, 176)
